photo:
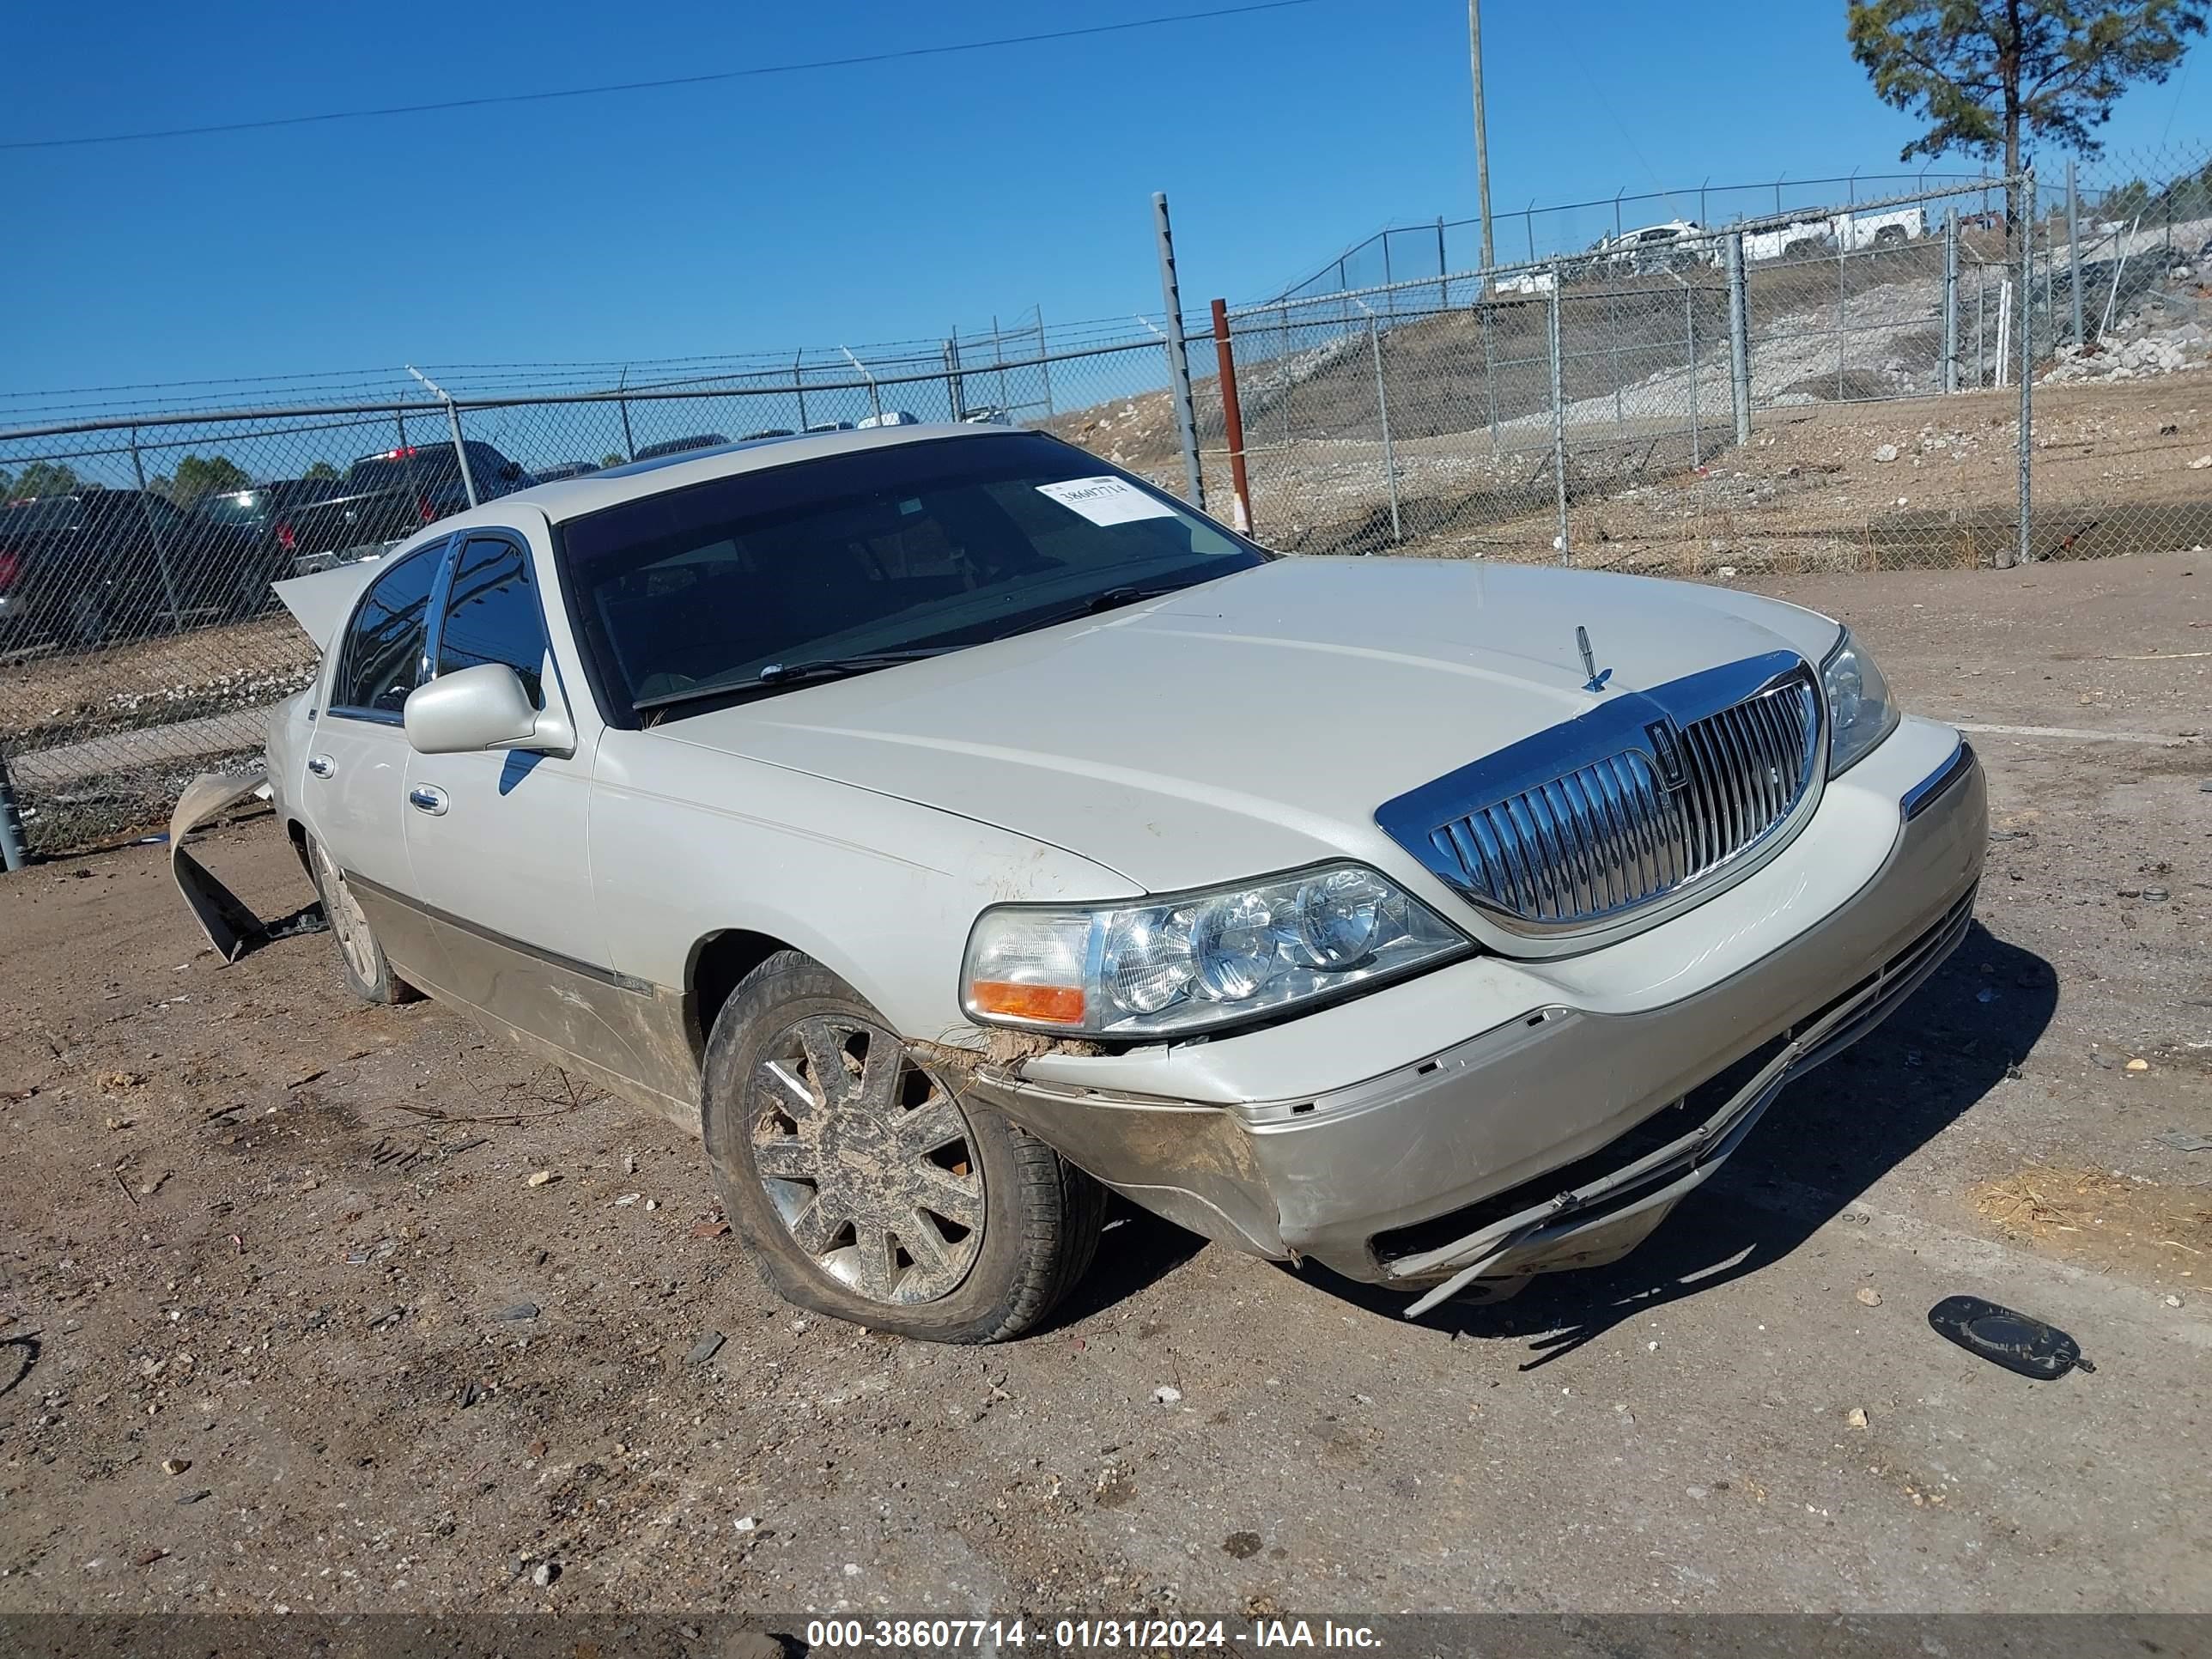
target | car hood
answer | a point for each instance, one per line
(1254, 723)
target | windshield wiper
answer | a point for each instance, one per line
(787, 673)
(1112, 599)
(817, 668)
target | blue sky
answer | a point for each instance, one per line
(858, 204)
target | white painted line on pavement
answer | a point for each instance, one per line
(2159, 738)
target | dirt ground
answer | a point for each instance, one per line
(285, 1326)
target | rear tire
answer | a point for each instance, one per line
(368, 973)
(88, 624)
(250, 595)
(866, 1186)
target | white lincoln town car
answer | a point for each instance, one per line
(950, 827)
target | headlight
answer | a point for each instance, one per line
(1158, 967)
(1860, 713)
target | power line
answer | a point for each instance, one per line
(651, 86)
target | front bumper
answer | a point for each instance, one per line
(1538, 1144)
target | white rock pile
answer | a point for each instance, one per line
(2162, 351)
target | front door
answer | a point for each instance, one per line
(499, 841)
(352, 785)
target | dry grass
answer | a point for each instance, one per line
(2095, 1216)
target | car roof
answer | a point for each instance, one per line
(572, 498)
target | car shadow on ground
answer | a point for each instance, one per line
(1830, 1136)
(1137, 1249)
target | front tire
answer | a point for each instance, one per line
(865, 1187)
(368, 973)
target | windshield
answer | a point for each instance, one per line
(924, 546)
(241, 507)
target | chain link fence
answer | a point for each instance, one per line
(141, 643)
(1818, 388)
(1589, 406)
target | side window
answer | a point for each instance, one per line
(383, 653)
(493, 615)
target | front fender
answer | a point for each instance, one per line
(882, 891)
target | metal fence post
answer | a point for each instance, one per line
(1490, 376)
(2073, 249)
(454, 429)
(1951, 299)
(629, 443)
(1843, 301)
(1613, 345)
(461, 451)
(1980, 325)
(161, 542)
(1382, 415)
(952, 380)
(1044, 363)
(2026, 365)
(1739, 338)
(13, 856)
(1232, 417)
(1559, 419)
(798, 383)
(1690, 338)
(1178, 357)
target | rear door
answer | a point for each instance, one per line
(353, 788)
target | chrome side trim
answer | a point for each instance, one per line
(1924, 794)
(521, 947)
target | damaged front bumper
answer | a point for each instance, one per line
(1557, 1140)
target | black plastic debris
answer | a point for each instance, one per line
(2018, 1342)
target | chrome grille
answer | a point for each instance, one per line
(1675, 790)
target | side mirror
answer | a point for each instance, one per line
(474, 709)
(511, 471)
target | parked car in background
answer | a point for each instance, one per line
(1891, 227)
(389, 496)
(888, 417)
(257, 510)
(830, 426)
(948, 824)
(767, 432)
(1797, 239)
(98, 564)
(681, 445)
(1653, 250)
(563, 469)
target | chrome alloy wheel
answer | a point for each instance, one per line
(344, 916)
(868, 1159)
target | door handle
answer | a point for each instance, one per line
(428, 798)
(321, 765)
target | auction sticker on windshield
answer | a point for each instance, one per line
(1107, 501)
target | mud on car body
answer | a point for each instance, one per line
(948, 827)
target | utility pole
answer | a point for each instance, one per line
(1481, 135)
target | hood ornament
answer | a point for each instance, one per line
(1598, 679)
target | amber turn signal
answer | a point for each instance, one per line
(1058, 1005)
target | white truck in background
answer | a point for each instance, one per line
(1828, 233)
